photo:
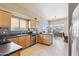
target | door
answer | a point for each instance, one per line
(75, 31)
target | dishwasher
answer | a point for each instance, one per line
(33, 39)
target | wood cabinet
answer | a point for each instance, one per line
(15, 40)
(39, 39)
(33, 24)
(37, 24)
(5, 19)
(27, 24)
(24, 41)
(28, 40)
(45, 39)
(15, 54)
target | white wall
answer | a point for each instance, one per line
(62, 21)
(40, 24)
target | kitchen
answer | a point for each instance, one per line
(19, 33)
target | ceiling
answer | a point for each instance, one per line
(45, 11)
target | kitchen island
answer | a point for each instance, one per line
(10, 49)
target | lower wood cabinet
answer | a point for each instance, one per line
(45, 39)
(39, 38)
(15, 54)
(24, 41)
(28, 40)
(15, 40)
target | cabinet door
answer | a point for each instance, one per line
(33, 24)
(22, 41)
(5, 19)
(15, 40)
(28, 40)
(37, 24)
(39, 38)
(47, 39)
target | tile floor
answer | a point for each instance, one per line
(58, 48)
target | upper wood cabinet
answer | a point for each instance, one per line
(37, 24)
(32, 24)
(5, 19)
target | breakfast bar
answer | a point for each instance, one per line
(10, 49)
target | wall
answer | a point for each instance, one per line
(61, 21)
(40, 24)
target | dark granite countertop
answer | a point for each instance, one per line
(9, 48)
(11, 35)
(17, 36)
(47, 34)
